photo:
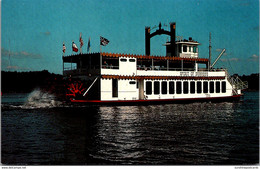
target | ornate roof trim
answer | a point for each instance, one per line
(154, 57)
(163, 77)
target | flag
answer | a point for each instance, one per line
(74, 47)
(88, 45)
(64, 48)
(103, 41)
(80, 40)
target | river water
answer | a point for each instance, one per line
(38, 130)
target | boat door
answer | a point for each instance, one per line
(141, 89)
(114, 87)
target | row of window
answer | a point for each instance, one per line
(185, 87)
(185, 49)
(125, 60)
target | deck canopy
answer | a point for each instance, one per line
(144, 57)
(76, 58)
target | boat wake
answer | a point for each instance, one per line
(41, 99)
(37, 99)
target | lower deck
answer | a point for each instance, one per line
(146, 89)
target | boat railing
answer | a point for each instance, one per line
(109, 67)
(70, 68)
(158, 68)
(212, 70)
(75, 71)
(86, 68)
(236, 82)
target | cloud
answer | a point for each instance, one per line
(8, 66)
(12, 67)
(234, 59)
(47, 33)
(256, 28)
(254, 57)
(231, 59)
(245, 4)
(16, 68)
(20, 55)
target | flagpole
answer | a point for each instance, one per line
(103, 42)
(63, 49)
(71, 56)
(89, 45)
(72, 48)
(63, 53)
(80, 39)
(100, 57)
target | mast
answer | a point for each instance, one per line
(209, 63)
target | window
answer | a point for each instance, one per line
(164, 87)
(179, 48)
(171, 87)
(123, 60)
(185, 87)
(179, 86)
(108, 63)
(156, 88)
(194, 49)
(217, 87)
(189, 48)
(131, 60)
(132, 82)
(198, 87)
(184, 48)
(148, 88)
(223, 89)
(114, 88)
(192, 87)
(205, 87)
(211, 87)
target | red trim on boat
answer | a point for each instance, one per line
(155, 100)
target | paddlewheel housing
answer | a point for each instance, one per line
(75, 90)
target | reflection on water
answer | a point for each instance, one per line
(158, 134)
(196, 133)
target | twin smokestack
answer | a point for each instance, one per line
(171, 33)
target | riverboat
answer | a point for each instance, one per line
(108, 78)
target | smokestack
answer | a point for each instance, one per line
(147, 41)
(173, 38)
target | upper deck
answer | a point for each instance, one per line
(135, 65)
(181, 59)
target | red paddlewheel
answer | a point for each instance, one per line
(75, 88)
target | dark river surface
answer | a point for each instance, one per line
(37, 130)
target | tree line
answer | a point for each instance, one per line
(24, 82)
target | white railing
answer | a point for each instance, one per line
(237, 83)
(159, 68)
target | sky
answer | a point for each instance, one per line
(33, 31)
